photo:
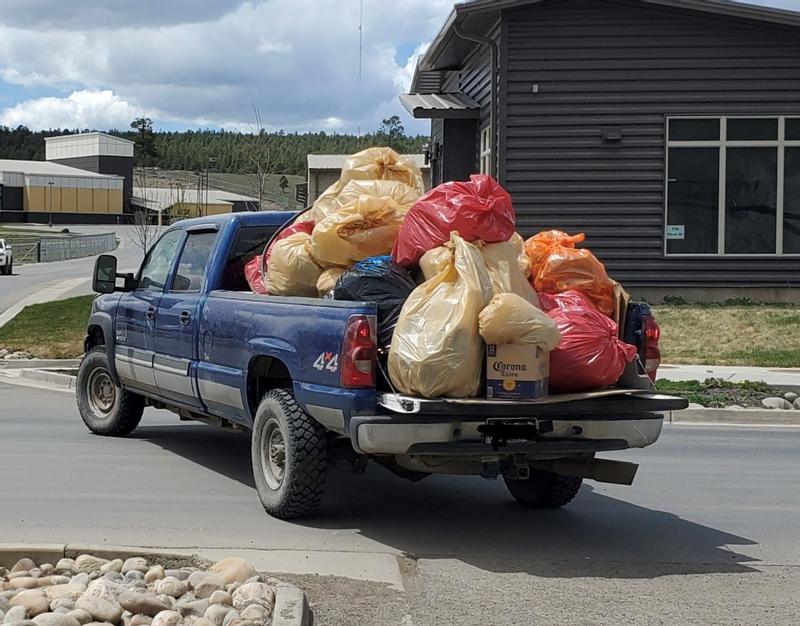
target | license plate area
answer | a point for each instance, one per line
(500, 431)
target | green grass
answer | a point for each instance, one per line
(745, 334)
(53, 330)
(714, 392)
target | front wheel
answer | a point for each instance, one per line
(289, 454)
(544, 490)
(106, 408)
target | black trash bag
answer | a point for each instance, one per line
(378, 280)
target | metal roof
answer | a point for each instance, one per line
(336, 161)
(441, 105)
(159, 198)
(447, 51)
(47, 168)
(57, 138)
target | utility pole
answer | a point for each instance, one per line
(50, 218)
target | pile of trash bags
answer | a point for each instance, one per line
(449, 275)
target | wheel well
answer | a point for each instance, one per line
(94, 338)
(265, 373)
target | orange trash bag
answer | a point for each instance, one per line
(558, 266)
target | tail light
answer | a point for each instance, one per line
(652, 353)
(358, 353)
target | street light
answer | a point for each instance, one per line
(50, 220)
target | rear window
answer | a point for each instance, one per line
(249, 242)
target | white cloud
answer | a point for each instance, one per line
(296, 59)
(404, 75)
(80, 110)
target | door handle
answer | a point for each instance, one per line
(151, 313)
(185, 318)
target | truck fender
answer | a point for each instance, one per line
(103, 321)
(277, 349)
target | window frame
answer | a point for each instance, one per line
(485, 150)
(781, 143)
(177, 262)
(170, 271)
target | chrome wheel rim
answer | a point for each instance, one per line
(102, 393)
(273, 455)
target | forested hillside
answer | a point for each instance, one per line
(279, 152)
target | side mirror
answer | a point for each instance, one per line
(105, 274)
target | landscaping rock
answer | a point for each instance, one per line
(47, 569)
(142, 603)
(55, 619)
(141, 620)
(100, 609)
(23, 565)
(86, 563)
(256, 613)
(23, 582)
(694, 405)
(197, 608)
(797, 404)
(82, 616)
(64, 602)
(154, 573)
(104, 589)
(790, 396)
(56, 580)
(171, 587)
(135, 563)
(34, 601)
(221, 597)
(253, 593)
(776, 403)
(216, 613)
(168, 600)
(230, 616)
(167, 618)
(203, 622)
(233, 569)
(81, 579)
(25, 622)
(112, 566)
(65, 566)
(132, 575)
(70, 590)
(15, 614)
(210, 584)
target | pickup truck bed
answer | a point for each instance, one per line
(185, 334)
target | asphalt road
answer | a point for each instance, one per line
(707, 535)
(30, 278)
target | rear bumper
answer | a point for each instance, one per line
(460, 437)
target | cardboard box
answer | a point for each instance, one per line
(517, 372)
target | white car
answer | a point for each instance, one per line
(6, 258)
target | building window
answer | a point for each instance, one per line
(486, 150)
(733, 186)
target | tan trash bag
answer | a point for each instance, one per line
(507, 264)
(435, 261)
(369, 164)
(292, 270)
(402, 194)
(327, 280)
(511, 319)
(436, 350)
(366, 227)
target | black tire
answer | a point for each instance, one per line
(124, 410)
(296, 489)
(544, 490)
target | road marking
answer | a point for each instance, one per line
(52, 292)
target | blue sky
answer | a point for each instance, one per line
(207, 63)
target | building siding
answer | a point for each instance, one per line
(104, 164)
(620, 66)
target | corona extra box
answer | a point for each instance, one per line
(517, 372)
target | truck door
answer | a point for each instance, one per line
(136, 316)
(177, 323)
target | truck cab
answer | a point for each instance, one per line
(304, 376)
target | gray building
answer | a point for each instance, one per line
(666, 130)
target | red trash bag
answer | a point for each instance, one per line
(478, 209)
(299, 227)
(566, 300)
(590, 355)
(252, 272)
(256, 267)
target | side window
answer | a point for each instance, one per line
(193, 261)
(156, 267)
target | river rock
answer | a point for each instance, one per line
(114, 577)
(204, 622)
(217, 612)
(34, 601)
(253, 593)
(154, 573)
(135, 563)
(221, 597)
(797, 404)
(55, 619)
(101, 610)
(23, 565)
(70, 590)
(776, 403)
(82, 616)
(57, 580)
(167, 600)
(141, 620)
(20, 574)
(64, 602)
(233, 569)
(171, 587)
(142, 603)
(81, 579)
(790, 396)
(209, 584)
(256, 613)
(230, 616)
(23, 582)
(99, 624)
(3, 603)
(180, 574)
(112, 566)
(194, 608)
(167, 618)
(15, 614)
(65, 566)
(87, 564)
(47, 568)
(132, 575)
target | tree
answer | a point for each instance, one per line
(258, 150)
(144, 232)
(392, 129)
(283, 183)
(145, 152)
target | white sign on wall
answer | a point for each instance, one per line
(676, 231)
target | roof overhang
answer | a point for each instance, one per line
(440, 106)
(447, 51)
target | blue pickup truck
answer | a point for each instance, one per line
(305, 376)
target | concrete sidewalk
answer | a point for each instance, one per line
(784, 378)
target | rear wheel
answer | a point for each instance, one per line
(289, 454)
(544, 490)
(105, 407)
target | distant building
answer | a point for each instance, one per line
(325, 169)
(174, 202)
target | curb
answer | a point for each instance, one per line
(291, 605)
(54, 379)
(736, 416)
(16, 364)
